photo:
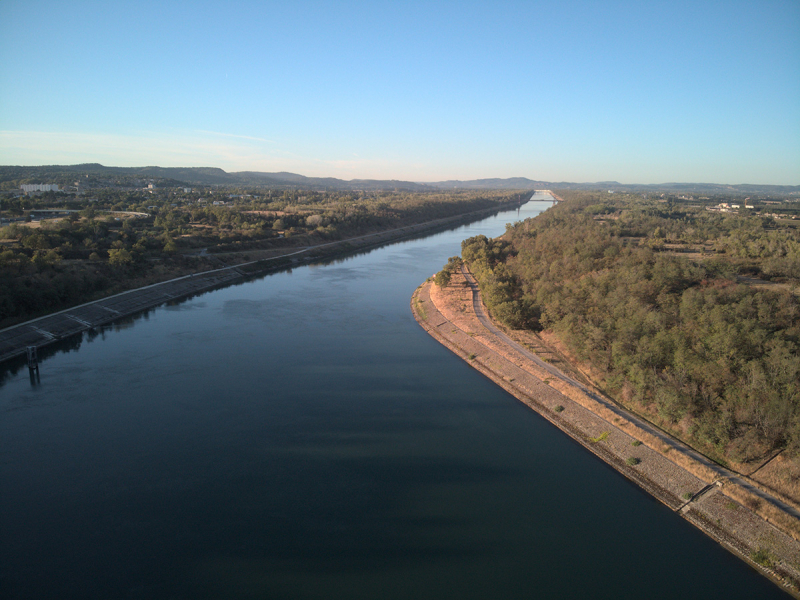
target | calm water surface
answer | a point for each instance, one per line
(300, 436)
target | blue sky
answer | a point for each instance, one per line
(638, 92)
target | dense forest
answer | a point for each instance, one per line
(117, 239)
(691, 316)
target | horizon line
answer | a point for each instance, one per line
(603, 182)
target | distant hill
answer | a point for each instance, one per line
(176, 176)
(189, 176)
(512, 183)
(522, 183)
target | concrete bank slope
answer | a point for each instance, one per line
(57, 326)
(701, 497)
(46, 330)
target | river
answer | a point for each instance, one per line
(300, 436)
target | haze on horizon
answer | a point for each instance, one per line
(424, 91)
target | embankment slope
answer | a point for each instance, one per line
(700, 493)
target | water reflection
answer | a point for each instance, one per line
(73, 343)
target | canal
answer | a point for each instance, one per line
(300, 436)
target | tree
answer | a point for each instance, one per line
(119, 257)
(442, 278)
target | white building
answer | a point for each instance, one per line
(29, 188)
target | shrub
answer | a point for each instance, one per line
(632, 461)
(636, 443)
(120, 257)
(558, 408)
(442, 278)
(753, 503)
(763, 557)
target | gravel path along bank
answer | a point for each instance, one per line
(711, 502)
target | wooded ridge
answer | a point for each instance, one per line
(688, 316)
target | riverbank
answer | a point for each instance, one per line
(715, 502)
(48, 329)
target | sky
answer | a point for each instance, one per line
(583, 91)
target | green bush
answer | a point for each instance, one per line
(763, 557)
(442, 278)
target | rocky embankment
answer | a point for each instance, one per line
(700, 493)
